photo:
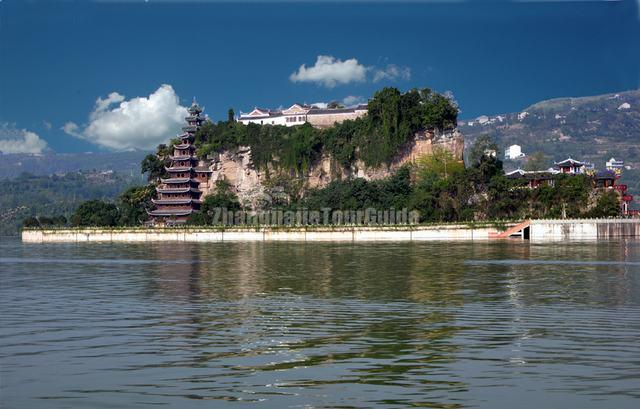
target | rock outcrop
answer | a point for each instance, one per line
(256, 188)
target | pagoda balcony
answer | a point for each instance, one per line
(177, 191)
(175, 202)
(183, 146)
(193, 118)
(189, 128)
(183, 157)
(174, 181)
(170, 212)
(179, 169)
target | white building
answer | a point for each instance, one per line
(298, 114)
(615, 165)
(513, 152)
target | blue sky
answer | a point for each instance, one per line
(88, 76)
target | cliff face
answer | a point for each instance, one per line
(258, 188)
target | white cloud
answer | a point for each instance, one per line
(73, 129)
(321, 105)
(139, 123)
(351, 100)
(391, 72)
(14, 140)
(329, 71)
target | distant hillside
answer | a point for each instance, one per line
(29, 195)
(592, 129)
(12, 165)
(589, 128)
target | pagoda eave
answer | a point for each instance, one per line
(189, 157)
(183, 146)
(168, 213)
(178, 180)
(178, 190)
(168, 202)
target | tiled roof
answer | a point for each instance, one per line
(169, 212)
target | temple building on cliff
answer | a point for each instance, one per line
(181, 193)
(298, 114)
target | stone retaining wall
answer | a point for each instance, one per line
(359, 234)
(583, 229)
(540, 230)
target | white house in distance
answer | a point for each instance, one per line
(615, 165)
(513, 152)
(298, 114)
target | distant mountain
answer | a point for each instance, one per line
(12, 165)
(51, 196)
(590, 128)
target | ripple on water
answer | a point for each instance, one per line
(323, 325)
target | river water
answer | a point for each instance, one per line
(277, 325)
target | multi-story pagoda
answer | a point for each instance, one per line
(180, 194)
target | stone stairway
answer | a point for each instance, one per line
(517, 230)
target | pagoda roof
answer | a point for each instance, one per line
(188, 128)
(178, 168)
(569, 162)
(177, 190)
(532, 174)
(178, 180)
(182, 157)
(202, 169)
(183, 146)
(194, 108)
(606, 174)
(171, 212)
(174, 201)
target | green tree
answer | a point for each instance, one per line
(31, 221)
(223, 197)
(134, 203)
(607, 205)
(96, 213)
(483, 146)
(441, 162)
(153, 166)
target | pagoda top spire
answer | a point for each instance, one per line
(195, 108)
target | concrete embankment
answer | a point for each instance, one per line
(535, 230)
(457, 232)
(583, 229)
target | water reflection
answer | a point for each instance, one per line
(320, 324)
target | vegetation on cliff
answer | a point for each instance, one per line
(479, 192)
(441, 193)
(393, 118)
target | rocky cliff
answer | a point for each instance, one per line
(258, 188)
